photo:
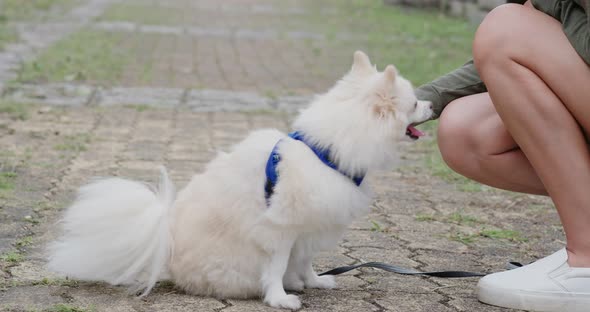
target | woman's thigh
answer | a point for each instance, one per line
(536, 41)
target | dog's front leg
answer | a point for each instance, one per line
(272, 278)
(310, 277)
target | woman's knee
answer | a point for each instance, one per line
(455, 139)
(496, 35)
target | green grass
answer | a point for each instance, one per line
(463, 237)
(57, 282)
(143, 14)
(139, 107)
(495, 234)
(12, 257)
(7, 34)
(16, 10)
(24, 242)
(31, 220)
(19, 10)
(89, 56)
(510, 235)
(16, 110)
(460, 218)
(422, 217)
(74, 143)
(455, 218)
(7, 180)
(376, 227)
(422, 44)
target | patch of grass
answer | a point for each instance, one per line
(15, 10)
(7, 34)
(43, 205)
(88, 56)
(456, 218)
(498, 234)
(463, 237)
(7, 180)
(24, 242)
(460, 218)
(510, 235)
(143, 14)
(316, 51)
(12, 257)
(423, 217)
(139, 107)
(74, 143)
(18, 10)
(31, 220)
(422, 44)
(67, 308)
(376, 227)
(16, 111)
(57, 282)
(271, 95)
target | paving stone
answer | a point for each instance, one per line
(53, 94)
(337, 300)
(38, 35)
(158, 97)
(402, 302)
(213, 100)
(116, 26)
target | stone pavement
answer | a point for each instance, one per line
(186, 112)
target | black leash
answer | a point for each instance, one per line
(404, 271)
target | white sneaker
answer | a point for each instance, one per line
(549, 284)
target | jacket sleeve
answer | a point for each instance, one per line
(458, 83)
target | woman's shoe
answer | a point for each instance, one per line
(548, 284)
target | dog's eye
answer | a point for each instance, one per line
(415, 105)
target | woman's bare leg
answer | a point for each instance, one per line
(539, 87)
(475, 143)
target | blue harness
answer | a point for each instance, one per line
(274, 159)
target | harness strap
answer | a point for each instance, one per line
(274, 158)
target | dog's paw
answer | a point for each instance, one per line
(325, 282)
(291, 302)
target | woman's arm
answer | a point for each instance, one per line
(458, 83)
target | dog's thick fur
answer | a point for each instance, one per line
(219, 236)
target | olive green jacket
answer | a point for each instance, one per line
(466, 81)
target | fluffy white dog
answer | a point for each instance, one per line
(251, 223)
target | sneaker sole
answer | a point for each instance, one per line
(534, 300)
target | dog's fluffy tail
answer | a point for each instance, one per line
(117, 231)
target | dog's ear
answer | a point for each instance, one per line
(389, 76)
(361, 65)
(384, 104)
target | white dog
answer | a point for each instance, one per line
(251, 223)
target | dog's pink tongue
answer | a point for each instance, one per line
(415, 132)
